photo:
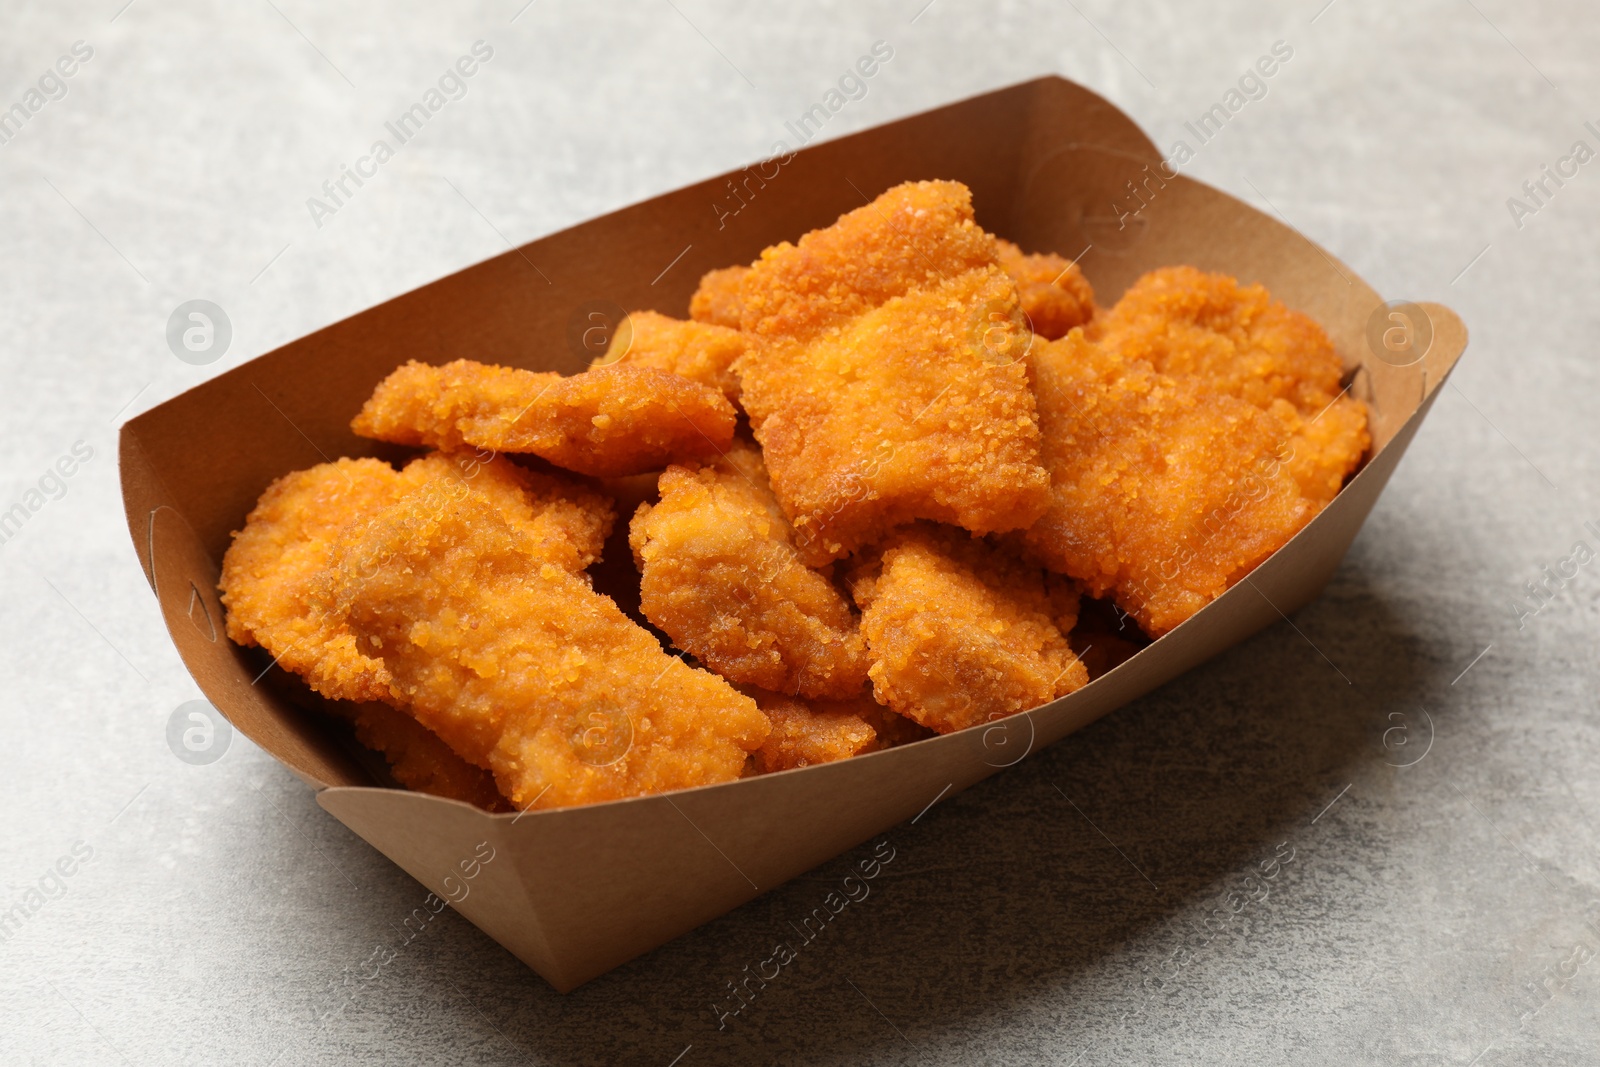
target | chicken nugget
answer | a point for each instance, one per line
(269, 569)
(567, 518)
(918, 407)
(698, 351)
(822, 731)
(418, 758)
(913, 236)
(885, 379)
(1053, 291)
(1325, 448)
(722, 578)
(961, 632)
(606, 422)
(522, 668)
(1184, 321)
(1055, 295)
(1165, 490)
(717, 300)
(804, 733)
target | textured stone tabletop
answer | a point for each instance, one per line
(1369, 837)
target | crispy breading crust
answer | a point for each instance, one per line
(721, 577)
(822, 731)
(718, 298)
(606, 422)
(568, 517)
(913, 236)
(903, 415)
(418, 758)
(698, 351)
(270, 571)
(804, 733)
(1165, 490)
(523, 669)
(887, 380)
(961, 632)
(1054, 293)
(1183, 321)
(888, 364)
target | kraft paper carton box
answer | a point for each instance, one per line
(574, 892)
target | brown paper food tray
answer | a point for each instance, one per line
(575, 892)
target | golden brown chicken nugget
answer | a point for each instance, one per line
(918, 408)
(1054, 293)
(1184, 321)
(822, 731)
(567, 518)
(269, 569)
(718, 298)
(722, 578)
(1325, 448)
(418, 758)
(1165, 490)
(804, 733)
(698, 351)
(522, 668)
(961, 632)
(885, 379)
(606, 422)
(914, 236)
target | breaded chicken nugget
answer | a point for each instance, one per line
(1184, 321)
(268, 572)
(962, 633)
(903, 414)
(1053, 291)
(717, 300)
(885, 379)
(722, 578)
(605, 422)
(698, 351)
(567, 518)
(418, 758)
(804, 733)
(913, 236)
(522, 668)
(1055, 295)
(1165, 490)
(821, 731)
(1326, 447)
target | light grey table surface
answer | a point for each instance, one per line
(1439, 913)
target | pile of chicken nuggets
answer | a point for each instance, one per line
(902, 471)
